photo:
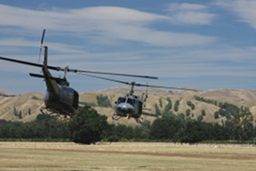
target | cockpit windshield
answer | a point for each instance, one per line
(121, 100)
(131, 101)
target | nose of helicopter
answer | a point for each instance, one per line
(124, 108)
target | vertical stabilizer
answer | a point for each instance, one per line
(45, 56)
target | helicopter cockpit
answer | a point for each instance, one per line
(127, 99)
(121, 100)
(130, 101)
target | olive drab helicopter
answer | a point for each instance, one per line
(132, 105)
(60, 98)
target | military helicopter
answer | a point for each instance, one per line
(131, 105)
(60, 98)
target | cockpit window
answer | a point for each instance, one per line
(47, 96)
(121, 100)
(131, 101)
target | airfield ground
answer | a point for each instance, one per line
(125, 156)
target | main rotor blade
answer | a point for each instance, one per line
(21, 62)
(74, 70)
(165, 87)
(116, 74)
(137, 84)
(30, 63)
(104, 78)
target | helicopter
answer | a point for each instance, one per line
(60, 98)
(131, 105)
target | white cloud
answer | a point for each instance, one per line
(244, 9)
(125, 40)
(105, 23)
(186, 13)
(186, 7)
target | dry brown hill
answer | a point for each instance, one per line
(28, 104)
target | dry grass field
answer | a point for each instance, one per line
(40, 156)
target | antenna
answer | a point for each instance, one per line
(66, 69)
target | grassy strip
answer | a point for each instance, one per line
(34, 140)
(251, 142)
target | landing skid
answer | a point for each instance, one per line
(43, 109)
(138, 120)
(117, 117)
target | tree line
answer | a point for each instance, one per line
(90, 127)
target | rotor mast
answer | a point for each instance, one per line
(132, 88)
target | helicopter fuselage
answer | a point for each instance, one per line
(64, 102)
(59, 97)
(129, 106)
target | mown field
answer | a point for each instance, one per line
(125, 156)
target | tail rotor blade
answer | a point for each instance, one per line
(42, 39)
(41, 45)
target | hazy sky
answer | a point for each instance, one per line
(207, 44)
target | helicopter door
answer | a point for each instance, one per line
(66, 95)
(75, 100)
(140, 106)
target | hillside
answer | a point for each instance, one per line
(25, 107)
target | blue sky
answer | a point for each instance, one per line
(204, 44)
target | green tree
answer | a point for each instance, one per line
(216, 115)
(176, 105)
(158, 111)
(123, 131)
(168, 107)
(165, 128)
(103, 101)
(203, 112)
(160, 102)
(168, 114)
(242, 124)
(87, 126)
(20, 114)
(196, 131)
(200, 118)
(15, 111)
(189, 103)
(188, 112)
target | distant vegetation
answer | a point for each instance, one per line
(168, 107)
(158, 111)
(189, 103)
(214, 102)
(103, 101)
(35, 98)
(234, 123)
(226, 110)
(176, 106)
(88, 104)
(6, 95)
(89, 127)
(43, 128)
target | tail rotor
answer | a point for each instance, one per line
(41, 45)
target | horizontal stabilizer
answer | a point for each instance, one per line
(36, 75)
